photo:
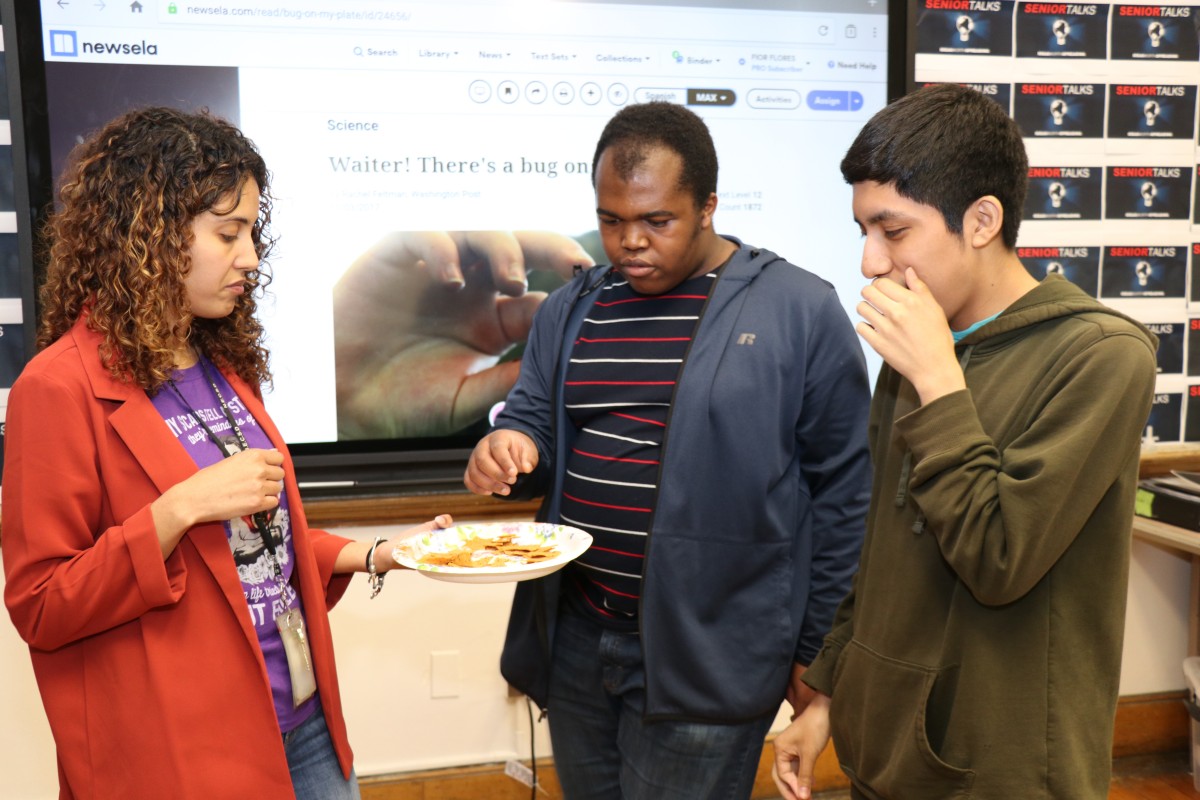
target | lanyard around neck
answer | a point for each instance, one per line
(261, 519)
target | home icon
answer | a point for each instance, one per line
(135, 7)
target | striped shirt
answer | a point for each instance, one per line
(618, 390)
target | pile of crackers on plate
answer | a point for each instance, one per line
(500, 551)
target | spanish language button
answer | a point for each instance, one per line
(655, 94)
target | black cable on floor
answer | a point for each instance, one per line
(532, 749)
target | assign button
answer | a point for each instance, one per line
(834, 100)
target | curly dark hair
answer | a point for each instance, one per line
(945, 146)
(118, 246)
(635, 130)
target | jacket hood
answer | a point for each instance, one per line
(746, 262)
(742, 267)
(1054, 297)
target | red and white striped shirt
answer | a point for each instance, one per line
(618, 391)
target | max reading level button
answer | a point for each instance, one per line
(711, 97)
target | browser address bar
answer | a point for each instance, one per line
(503, 18)
(284, 13)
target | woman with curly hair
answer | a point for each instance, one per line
(157, 559)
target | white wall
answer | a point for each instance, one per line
(384, 652)
(1156, 622)
(385, 659)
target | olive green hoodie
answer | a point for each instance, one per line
(978, 654)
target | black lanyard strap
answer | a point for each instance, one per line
(262, 519)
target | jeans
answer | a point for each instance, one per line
(604, 750)
(316, 774)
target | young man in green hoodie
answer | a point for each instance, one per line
(978, 653)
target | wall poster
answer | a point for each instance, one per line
(1105, 95)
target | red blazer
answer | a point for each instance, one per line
(150, 672)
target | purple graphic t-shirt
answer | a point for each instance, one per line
(266, 596)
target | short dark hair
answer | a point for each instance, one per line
(635, 130)
(945, 146)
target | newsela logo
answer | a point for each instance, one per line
(66, 43)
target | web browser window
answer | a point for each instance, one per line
(378, 118)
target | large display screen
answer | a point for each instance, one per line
(403, 136)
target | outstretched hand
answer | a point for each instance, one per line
(497, 460)
(384, 558)
(421, 320)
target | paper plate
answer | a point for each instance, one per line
(570, 543)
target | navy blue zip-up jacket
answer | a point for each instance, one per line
(763, 490)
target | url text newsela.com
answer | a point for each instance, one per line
(289, 13)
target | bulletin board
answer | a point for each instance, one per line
(1106, 98)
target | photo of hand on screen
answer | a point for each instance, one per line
(423, 319)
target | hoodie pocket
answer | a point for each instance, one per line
(879, 716)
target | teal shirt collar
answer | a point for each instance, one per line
(960, 335)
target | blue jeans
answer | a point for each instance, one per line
(604, 750)
(316, 774)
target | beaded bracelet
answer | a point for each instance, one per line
(373, 577)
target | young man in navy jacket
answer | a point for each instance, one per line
(700, 408)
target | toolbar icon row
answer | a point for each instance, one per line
(537, 92)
